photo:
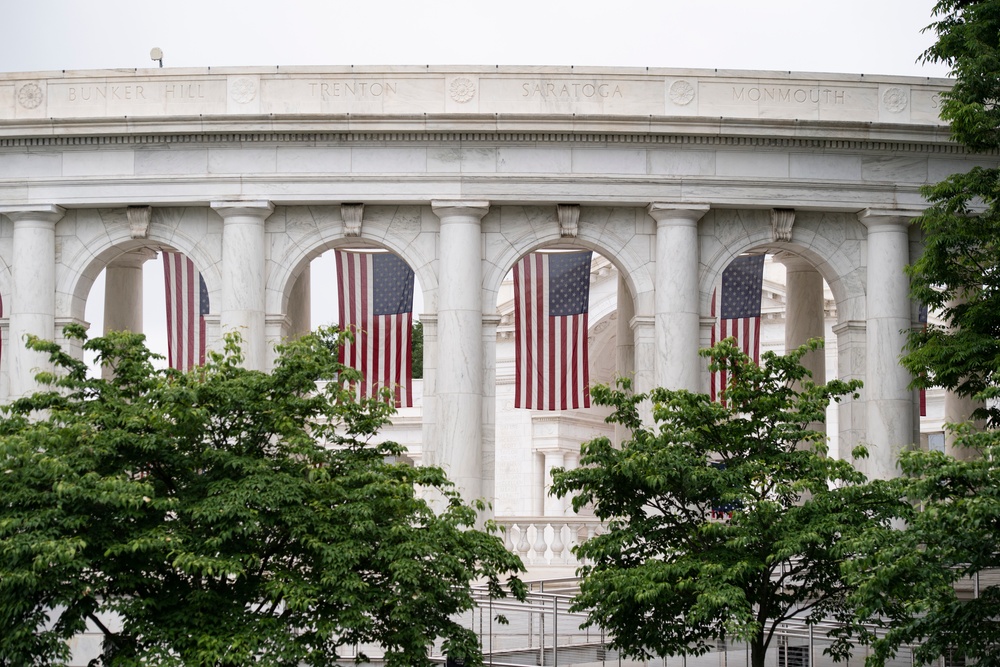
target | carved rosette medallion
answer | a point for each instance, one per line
(29, 95)
(244, 90)
(681, 93)
(462, 89)
(894, 99)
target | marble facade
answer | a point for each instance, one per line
(667, 174)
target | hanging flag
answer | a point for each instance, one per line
(376, 303)
(551, 300)
(187, 305)
(739, 316)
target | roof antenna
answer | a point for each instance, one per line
(156, 54)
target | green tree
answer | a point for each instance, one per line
(915, 585)
(670, 577)
(957, 275)
(226, 517)
(417, 359)
(907, 581)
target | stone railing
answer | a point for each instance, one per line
(547, 540)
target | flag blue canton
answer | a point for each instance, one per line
(742, 282)
(569, 283)
(202, 296)
(392, 291)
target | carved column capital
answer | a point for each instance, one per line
(873, 218)
(674, 213)
(460, 208)
(45, 213)
(243, 209)
(793, 262)
(133, 259)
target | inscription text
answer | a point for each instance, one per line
(783, 95)
(331, 89)
(571, 90)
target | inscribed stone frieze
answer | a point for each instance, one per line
(411, 91)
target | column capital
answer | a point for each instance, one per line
(231, 209)
(677, 213)
(643, 323)
(40, 213)
(793, 262)
(133, 259)
(447, 208)
(887, 217)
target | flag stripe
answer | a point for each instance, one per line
(551, 350)
(186, 310)
(381, 350)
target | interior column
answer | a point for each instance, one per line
(805, 316)
(123, 294)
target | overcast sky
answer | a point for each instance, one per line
(848, 36)
(856, 36)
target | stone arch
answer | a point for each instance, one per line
(311, 231)
(77, 269)
(836, 254)
(595, 233)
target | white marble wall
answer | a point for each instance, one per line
(422, 143)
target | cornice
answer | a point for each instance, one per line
(489, 138)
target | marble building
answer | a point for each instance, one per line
(666, 174)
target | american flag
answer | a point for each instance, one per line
(187, 305)
(742, 288)
(551, 300)
(376, 303)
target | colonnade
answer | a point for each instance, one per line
(659, 337)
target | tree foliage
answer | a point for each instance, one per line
(225, 517)
(957, 274)
(417, 359)
(669, 577)
(917, 585)
(913, 582)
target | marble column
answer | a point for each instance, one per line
(644, 336)
(460, 375)
(299, 305)
(429, 428)
(123, 291)
(123, 294)
(805, 316)
(243, 262)
(33, 296)
(553, 506)
(624, 336)
(677, 318)
(488, 460)
(889, 400)
(625, 343)
(851, 417)
(958, 410)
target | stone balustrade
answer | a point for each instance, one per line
(547, 540)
